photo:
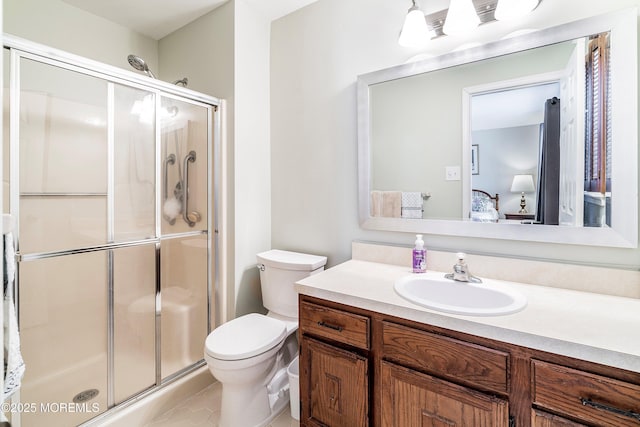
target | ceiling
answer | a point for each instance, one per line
(158, 18)
(512, 107)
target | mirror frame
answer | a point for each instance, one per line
(624, 199)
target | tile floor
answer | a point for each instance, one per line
(203, 410)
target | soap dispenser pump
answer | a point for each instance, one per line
(419, 256)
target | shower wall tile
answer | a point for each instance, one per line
(63, 145)
(134, 296)
(60, 223)
(181, 134)
(134, 165)
(72, 291)
(184, 302)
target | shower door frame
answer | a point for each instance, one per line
(20, 48)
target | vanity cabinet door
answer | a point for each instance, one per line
(414, 399)
(334, 384)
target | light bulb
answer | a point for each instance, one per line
(461, 17)
(414, 31)
(511, 9)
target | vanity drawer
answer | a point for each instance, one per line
(337, 325)
(582, 395)
(459, 361)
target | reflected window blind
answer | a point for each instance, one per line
(608, 116)
(598, 113)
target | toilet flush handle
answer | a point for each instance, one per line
(260, 267)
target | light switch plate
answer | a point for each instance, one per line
(452, 173)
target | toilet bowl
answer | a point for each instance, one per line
(249, 355)
(243, 355)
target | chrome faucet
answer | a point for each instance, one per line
(461, 271)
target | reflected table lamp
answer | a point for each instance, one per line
(522, 184)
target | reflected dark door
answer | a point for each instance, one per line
(549, 187)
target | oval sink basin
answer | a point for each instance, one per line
(449, 296)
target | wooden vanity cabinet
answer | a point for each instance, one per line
(337, 386)
(469, 364)
(334, 367)
(422, 375)
(544, 419)
(585, 396)
(362, 368)
(411, 398)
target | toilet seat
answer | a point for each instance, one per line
(245, 337)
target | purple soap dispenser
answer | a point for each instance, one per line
(419, 256)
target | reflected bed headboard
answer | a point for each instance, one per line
(483, 194)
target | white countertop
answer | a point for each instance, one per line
(598, 328)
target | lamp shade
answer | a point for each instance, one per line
(414, 31)
(522, 184)
(511, 9)
(461, 17)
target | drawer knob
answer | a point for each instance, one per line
(330, 326)
(590, 403)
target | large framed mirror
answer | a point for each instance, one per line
(529, 138)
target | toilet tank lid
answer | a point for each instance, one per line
(291, 260)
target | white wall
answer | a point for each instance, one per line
(504, 153)
(226, 54)
(316, 55)
(202, 51)
(252, 153)
(62, 26)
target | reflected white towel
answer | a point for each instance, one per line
(13, 363)
(376, 203)
(391, 204)
(411, 204)
(386, 204)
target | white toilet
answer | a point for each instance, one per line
(249, 355)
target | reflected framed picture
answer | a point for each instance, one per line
(475, 160)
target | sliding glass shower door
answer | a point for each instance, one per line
(62, 203)
(110, 181)
(184, 154)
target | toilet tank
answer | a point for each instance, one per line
(279, 271)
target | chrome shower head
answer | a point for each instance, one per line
(139, 64)
(182, 82)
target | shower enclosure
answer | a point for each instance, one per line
(110, 177)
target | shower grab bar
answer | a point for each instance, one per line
(189, 217)
(169, 160)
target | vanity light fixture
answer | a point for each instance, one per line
(414, 31)
(461, 17)
(512, 9)
(522, 184)
(452, 20)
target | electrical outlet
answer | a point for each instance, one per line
(452, 173)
